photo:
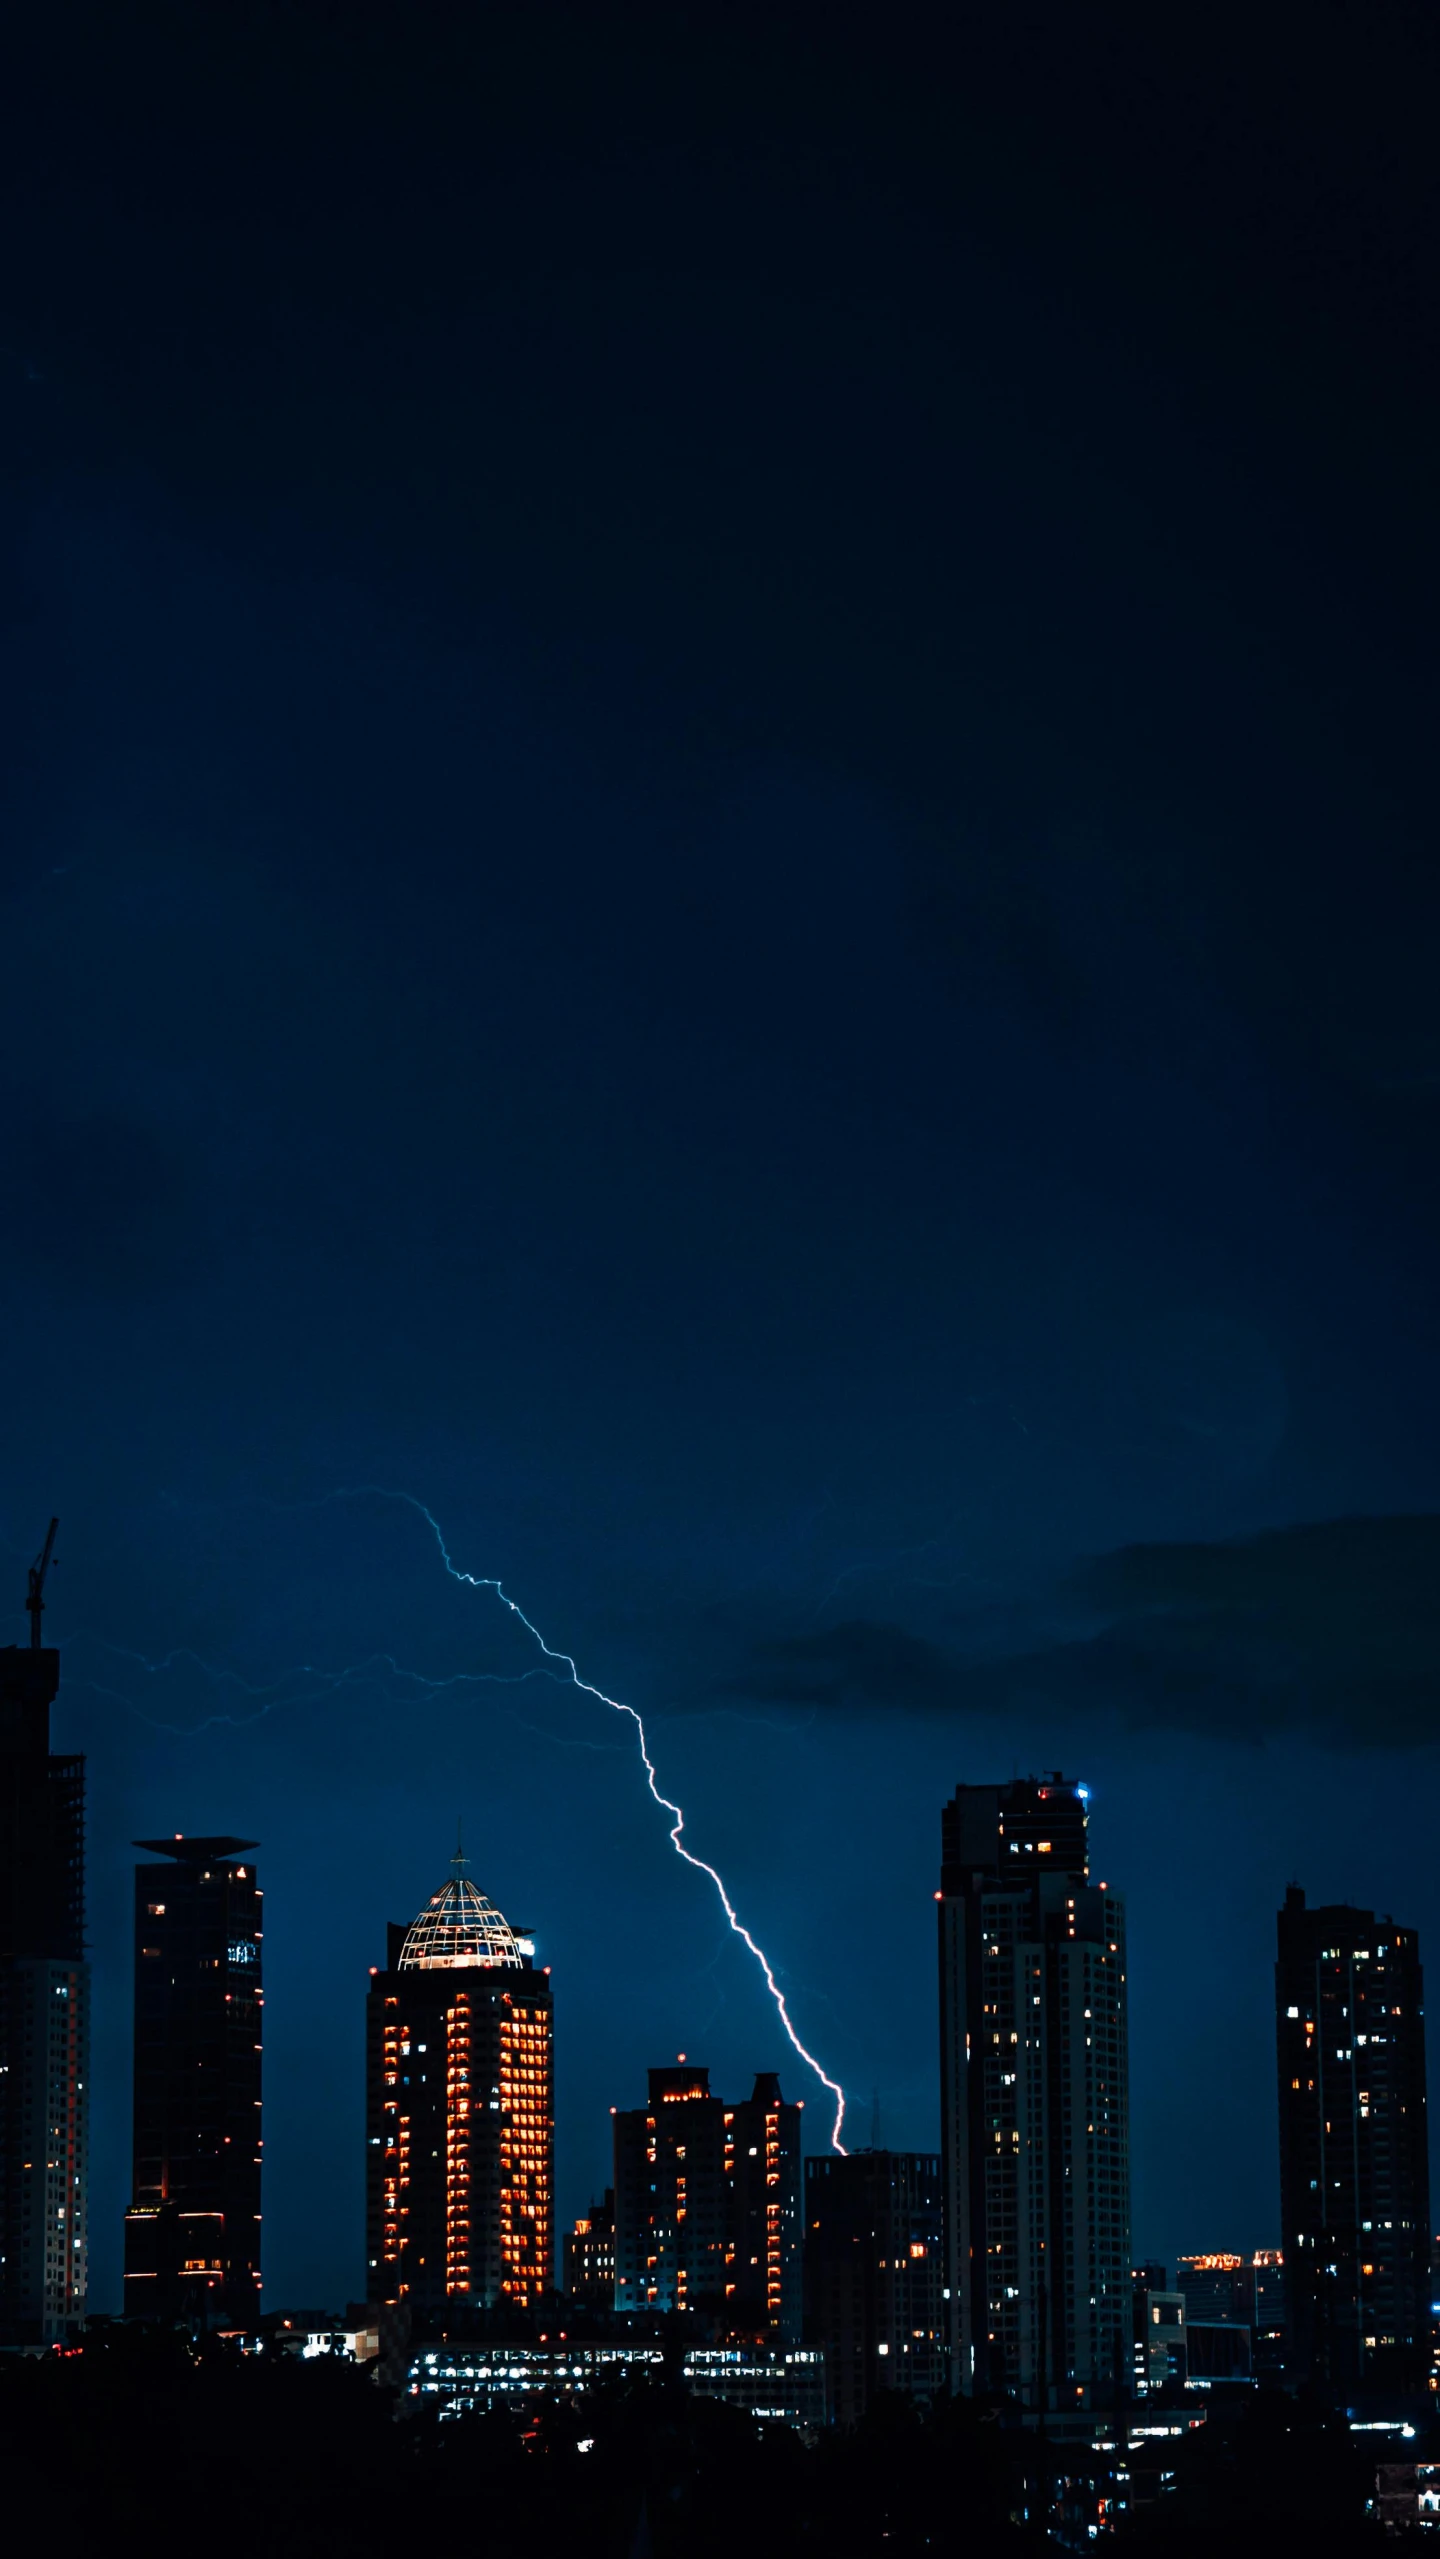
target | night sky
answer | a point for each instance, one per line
(718, 820)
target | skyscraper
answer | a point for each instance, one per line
(1034, 2100)
(1354, 2159)
(192, 2234)
(44, 1999)
(707, 2205)
(460, 2120)
(874, 2273)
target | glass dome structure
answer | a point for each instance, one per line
(459, 1927)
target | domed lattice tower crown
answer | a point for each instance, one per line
(459, 1927)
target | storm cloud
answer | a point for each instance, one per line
(1328, 1631)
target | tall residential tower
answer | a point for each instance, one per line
(708, 2205)
(1034, 2100)
(44, 1999)
(1354, 2159)
(192, 2234)
(460, 2113)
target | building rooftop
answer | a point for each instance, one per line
(218, 1849)
(458, 1926)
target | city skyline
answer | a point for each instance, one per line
(718, 827)
(1002, 2269)
(1164, 2225)
(717, 850)
(1039, 1845)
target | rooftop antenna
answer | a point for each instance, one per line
(459, 1862)
(875, 2143)
(35, 1603)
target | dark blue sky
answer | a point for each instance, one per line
(718, 819)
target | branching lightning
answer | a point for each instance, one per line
(308, 1681)
(565, 1663)
(299, 1686)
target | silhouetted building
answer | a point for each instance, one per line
(1267, 2325)
(707, 2205)
(590, 2255)
(1219, 2353)
(874, 2275)
(460, 2120)
(1158, 2328)
(44, 2001)
(1220, 2285)
(1034, 2100)
(1242, 2292)
(192, 2234)
(1354, 2163)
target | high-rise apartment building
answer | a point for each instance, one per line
(874, 2276)
(192, 2233)
(708, 2203)
(590, 2256)
(44, 2000)
(1354, 2159)
(460, 2113)
(1034, 2100)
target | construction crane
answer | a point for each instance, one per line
(35, 1604)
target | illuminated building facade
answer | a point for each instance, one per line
(44, 2005)
(590, 2255)
(460, 2115)
(782, 2384)
(708, 2205)
(192, 2234)
(1354, 2160)
(766, 2203)
(874, 2275)
(1034, 2101)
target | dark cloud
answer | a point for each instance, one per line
(1329, 1631)
(857, 1664)
(104, 1206)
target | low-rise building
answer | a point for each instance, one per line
(784, 2384)
(590, 2256)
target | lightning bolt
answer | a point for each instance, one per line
(556, 1665)
(290, 1689)
(565, 1663)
